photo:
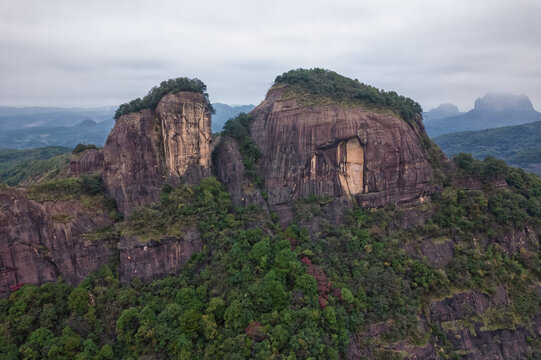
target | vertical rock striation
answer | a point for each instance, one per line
(338, 151)
(148, 148)
(186, 131)
(41, 241)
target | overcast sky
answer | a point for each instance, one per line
(93, 53)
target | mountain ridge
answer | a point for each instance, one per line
(335, 229)
(490, 111)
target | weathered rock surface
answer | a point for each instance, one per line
(134, 164)
(368, 344)
(438, 252)
(230, 171)
(156, 258)
(337, 151)
(41, 241)
(187, 133)
(90, 162)
(149, 148)
(470, 338)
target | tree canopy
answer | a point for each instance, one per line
(151, 100)
(329, 84)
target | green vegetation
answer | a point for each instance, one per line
(517, 145)
(66, 189)
(238, 128)
(257, 291)
(321, 84)
(151, 100)
(80, 148)
(17, 166)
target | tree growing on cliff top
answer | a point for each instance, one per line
(151, 100)
(329, 84)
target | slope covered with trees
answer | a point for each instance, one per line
(258, 291)
(453, 273)
(518, 145)
(19, 165)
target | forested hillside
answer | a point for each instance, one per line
(518, 145)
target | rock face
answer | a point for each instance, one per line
(460, 318)
(148, 148)
(134, 164)
(91, 161)
(41, 241)
(230, 171)
(156, 258)
(337, 151)
(476, 341)
(187, 133)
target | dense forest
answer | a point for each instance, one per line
(517, 145)
(263, 292)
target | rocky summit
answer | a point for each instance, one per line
(149, 148)
(322, 224)
(374, 159)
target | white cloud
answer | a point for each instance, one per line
(80, 53)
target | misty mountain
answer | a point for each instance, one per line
(491, 111)
(518, 145)
(225, 112)
(32, 127)
(12, 118)
(86, 132)
(442, 111)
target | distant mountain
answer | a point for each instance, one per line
(518, 145)
(442, 111)
(491, 111)
(86, 132)
(12, 118)
(32, 127)
(225, 112)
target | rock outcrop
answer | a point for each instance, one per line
(41, 241)
(148, 148)
(134, 164)
(461, 319)
(231, 172)
(89, 162)
(375, 159)
(156, 258)
(458, 315)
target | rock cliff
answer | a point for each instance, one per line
(89, 162)
(148, 148)
(374, 158)
(156, 258)
(41, 241)
(231, 172)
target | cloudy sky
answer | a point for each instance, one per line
(93, 53)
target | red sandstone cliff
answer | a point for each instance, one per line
(145, 149)
(41, 241)
(343, 152)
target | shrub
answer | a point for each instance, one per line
(83, 147)
(151, 100)
(329, 84)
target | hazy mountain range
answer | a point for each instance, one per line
(32, 127)
(518, 145)
(225, 112)
(491, 111)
